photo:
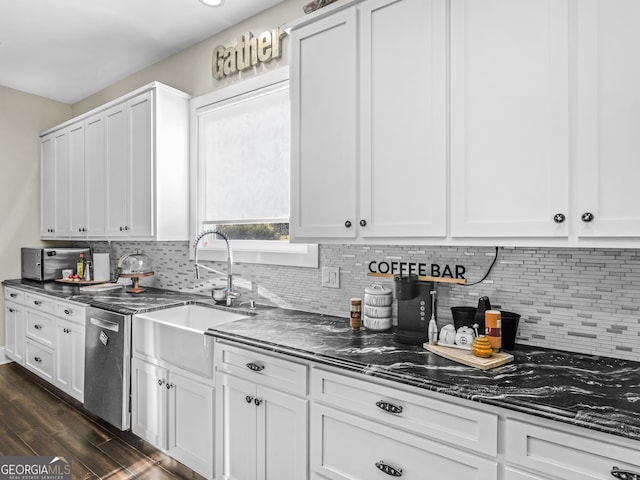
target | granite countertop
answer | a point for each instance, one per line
(588, 391)
(594, 392)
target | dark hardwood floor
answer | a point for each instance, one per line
(37, 419)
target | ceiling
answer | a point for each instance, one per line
(67, 50)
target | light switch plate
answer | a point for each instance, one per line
(331, 277)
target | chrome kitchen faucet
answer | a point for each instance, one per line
(230, 294)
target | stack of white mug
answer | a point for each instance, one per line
(377, 308)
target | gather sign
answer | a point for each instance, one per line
(248, 52)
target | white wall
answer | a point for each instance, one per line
(22, 117)
(190, 70)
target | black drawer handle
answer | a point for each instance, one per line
(624, 474)
(255, 367)
(160, 382)
(11, 310)
(248, 398)
(559, 217)
(389, 407)
(13, 295)
(37, 327)
(37, 359)
(587, 217)
(388, 469)
(257, 402)
(37, 302)
(67, 311)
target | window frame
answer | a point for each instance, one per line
(267, 252)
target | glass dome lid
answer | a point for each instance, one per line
(135, 264)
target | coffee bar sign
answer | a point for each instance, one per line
(248, 52)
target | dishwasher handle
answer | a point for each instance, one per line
(98, 322)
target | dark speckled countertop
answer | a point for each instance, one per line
(594, 392)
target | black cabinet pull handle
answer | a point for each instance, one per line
(255, 367)
(37, 359)
(11, 310)
(37, 302)
(587, 217)
(347, 224)
(249, 398)
(257, 401)
(13, 295)
(160, 382)
(559, 217)
(389, 407)
(624, 474)
(388, 469)
(37, 327)
(170, 386)
(67, 311)
(363, 223)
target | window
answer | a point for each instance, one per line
(241, 141)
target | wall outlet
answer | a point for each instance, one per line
(331, 277)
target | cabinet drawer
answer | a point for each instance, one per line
(39, 359)
(345, 446)
(14, 295)
(40, 326)
(441, 420)
(71, 311)
(39, 302)
(565, 455)
(262, 369)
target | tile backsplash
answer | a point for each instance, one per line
(580, 300)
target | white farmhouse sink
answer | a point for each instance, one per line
(175, 336)
(195, 318)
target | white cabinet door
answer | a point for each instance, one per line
(149, 402)
(62, 198)
(609, 114)
(191, 429)
(47, 187)
(14, 332)
(69, 365)
(509, 117)
(403, 130)
(117, 171)
(281, 436)
(95, 176)
(236, 417)
(77, 185)
(140, 140)
(324, 155)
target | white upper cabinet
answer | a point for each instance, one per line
(369, 123)
(47, 186)
(509, 118)
(323, 118)
(403, 118)
(127, 170)
(608, 99)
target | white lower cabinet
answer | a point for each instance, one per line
(14, 332)
(261, 431)
(175, 413)
(349, 447)
(561, 454)
(69, 364)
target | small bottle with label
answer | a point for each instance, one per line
(493, 328)
(355, 314)
(80, 266)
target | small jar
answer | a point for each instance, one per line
(493, 328)
(355, 314)
(378, 296)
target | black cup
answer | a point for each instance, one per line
(463, 316)
(510, 322)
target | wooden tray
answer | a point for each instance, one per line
(81, 282)
(459, 281)
(467, 358)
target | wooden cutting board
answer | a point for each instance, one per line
(467, 358)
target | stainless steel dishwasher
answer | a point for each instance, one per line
(107, 373)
